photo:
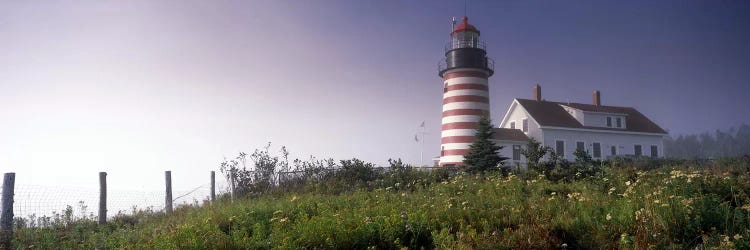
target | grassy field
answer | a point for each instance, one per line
(628, 206)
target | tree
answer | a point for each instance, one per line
(483, 153)
(534, 152)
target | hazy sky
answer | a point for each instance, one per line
(138, 87)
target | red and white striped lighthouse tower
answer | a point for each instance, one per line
(465, 71)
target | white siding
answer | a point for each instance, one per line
(576, 113)
(624, 142)
(517, 114)
(600, 120)
(507, 151)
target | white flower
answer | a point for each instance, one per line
(609, 217)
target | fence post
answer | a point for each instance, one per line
(102, 198)
(6, 216)
(168, 197)
(213, 186)
(231, 186)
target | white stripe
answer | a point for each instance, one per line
(452, 158)
(461, 118)
(466, 105)
(461, 92)
(447, 146)
(457, 132)
(463, 80)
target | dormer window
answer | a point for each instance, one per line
(525, 125)
(512, 125)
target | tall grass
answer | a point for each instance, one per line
(633, 205)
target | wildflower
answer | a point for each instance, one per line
(656, 201)
(294, 198)
(627, 183)
(609, 217)
(737, 237)
(464, 203)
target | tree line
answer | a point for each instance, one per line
(719, 144)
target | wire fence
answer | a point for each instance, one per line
(31, 202)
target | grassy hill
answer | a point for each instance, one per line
(627, 206)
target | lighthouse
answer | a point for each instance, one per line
(465, 72)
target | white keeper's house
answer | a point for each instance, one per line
(603, 131)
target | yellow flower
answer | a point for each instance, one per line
(609, 217)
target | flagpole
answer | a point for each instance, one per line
(421, 151)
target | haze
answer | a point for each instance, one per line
(138, 87)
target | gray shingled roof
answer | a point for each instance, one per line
(552, 114)
(507, 134)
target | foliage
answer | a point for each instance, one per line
(259, 177)
(534, 152)
(483, 153)
(664, 204)
(720, 144)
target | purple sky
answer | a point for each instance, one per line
(138, 87)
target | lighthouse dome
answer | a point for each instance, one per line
(464, 26)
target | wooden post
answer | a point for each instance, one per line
(102, 198)
(6, 215)
(168, 197)
(213, 186)
(231, 186)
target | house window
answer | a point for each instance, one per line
(516, 152)
(613, 150)
(580, 146)
(654, 151)
(512, 125)
(525, 125)
(597, 150)
(637, 150)
(618, 121)
(609, 121)
(560, 147)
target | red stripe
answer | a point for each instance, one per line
(464, 74)
(459, 125)
(465, 112)
(461, 86)
(448, 152)
(457, 139)
(466, 98)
